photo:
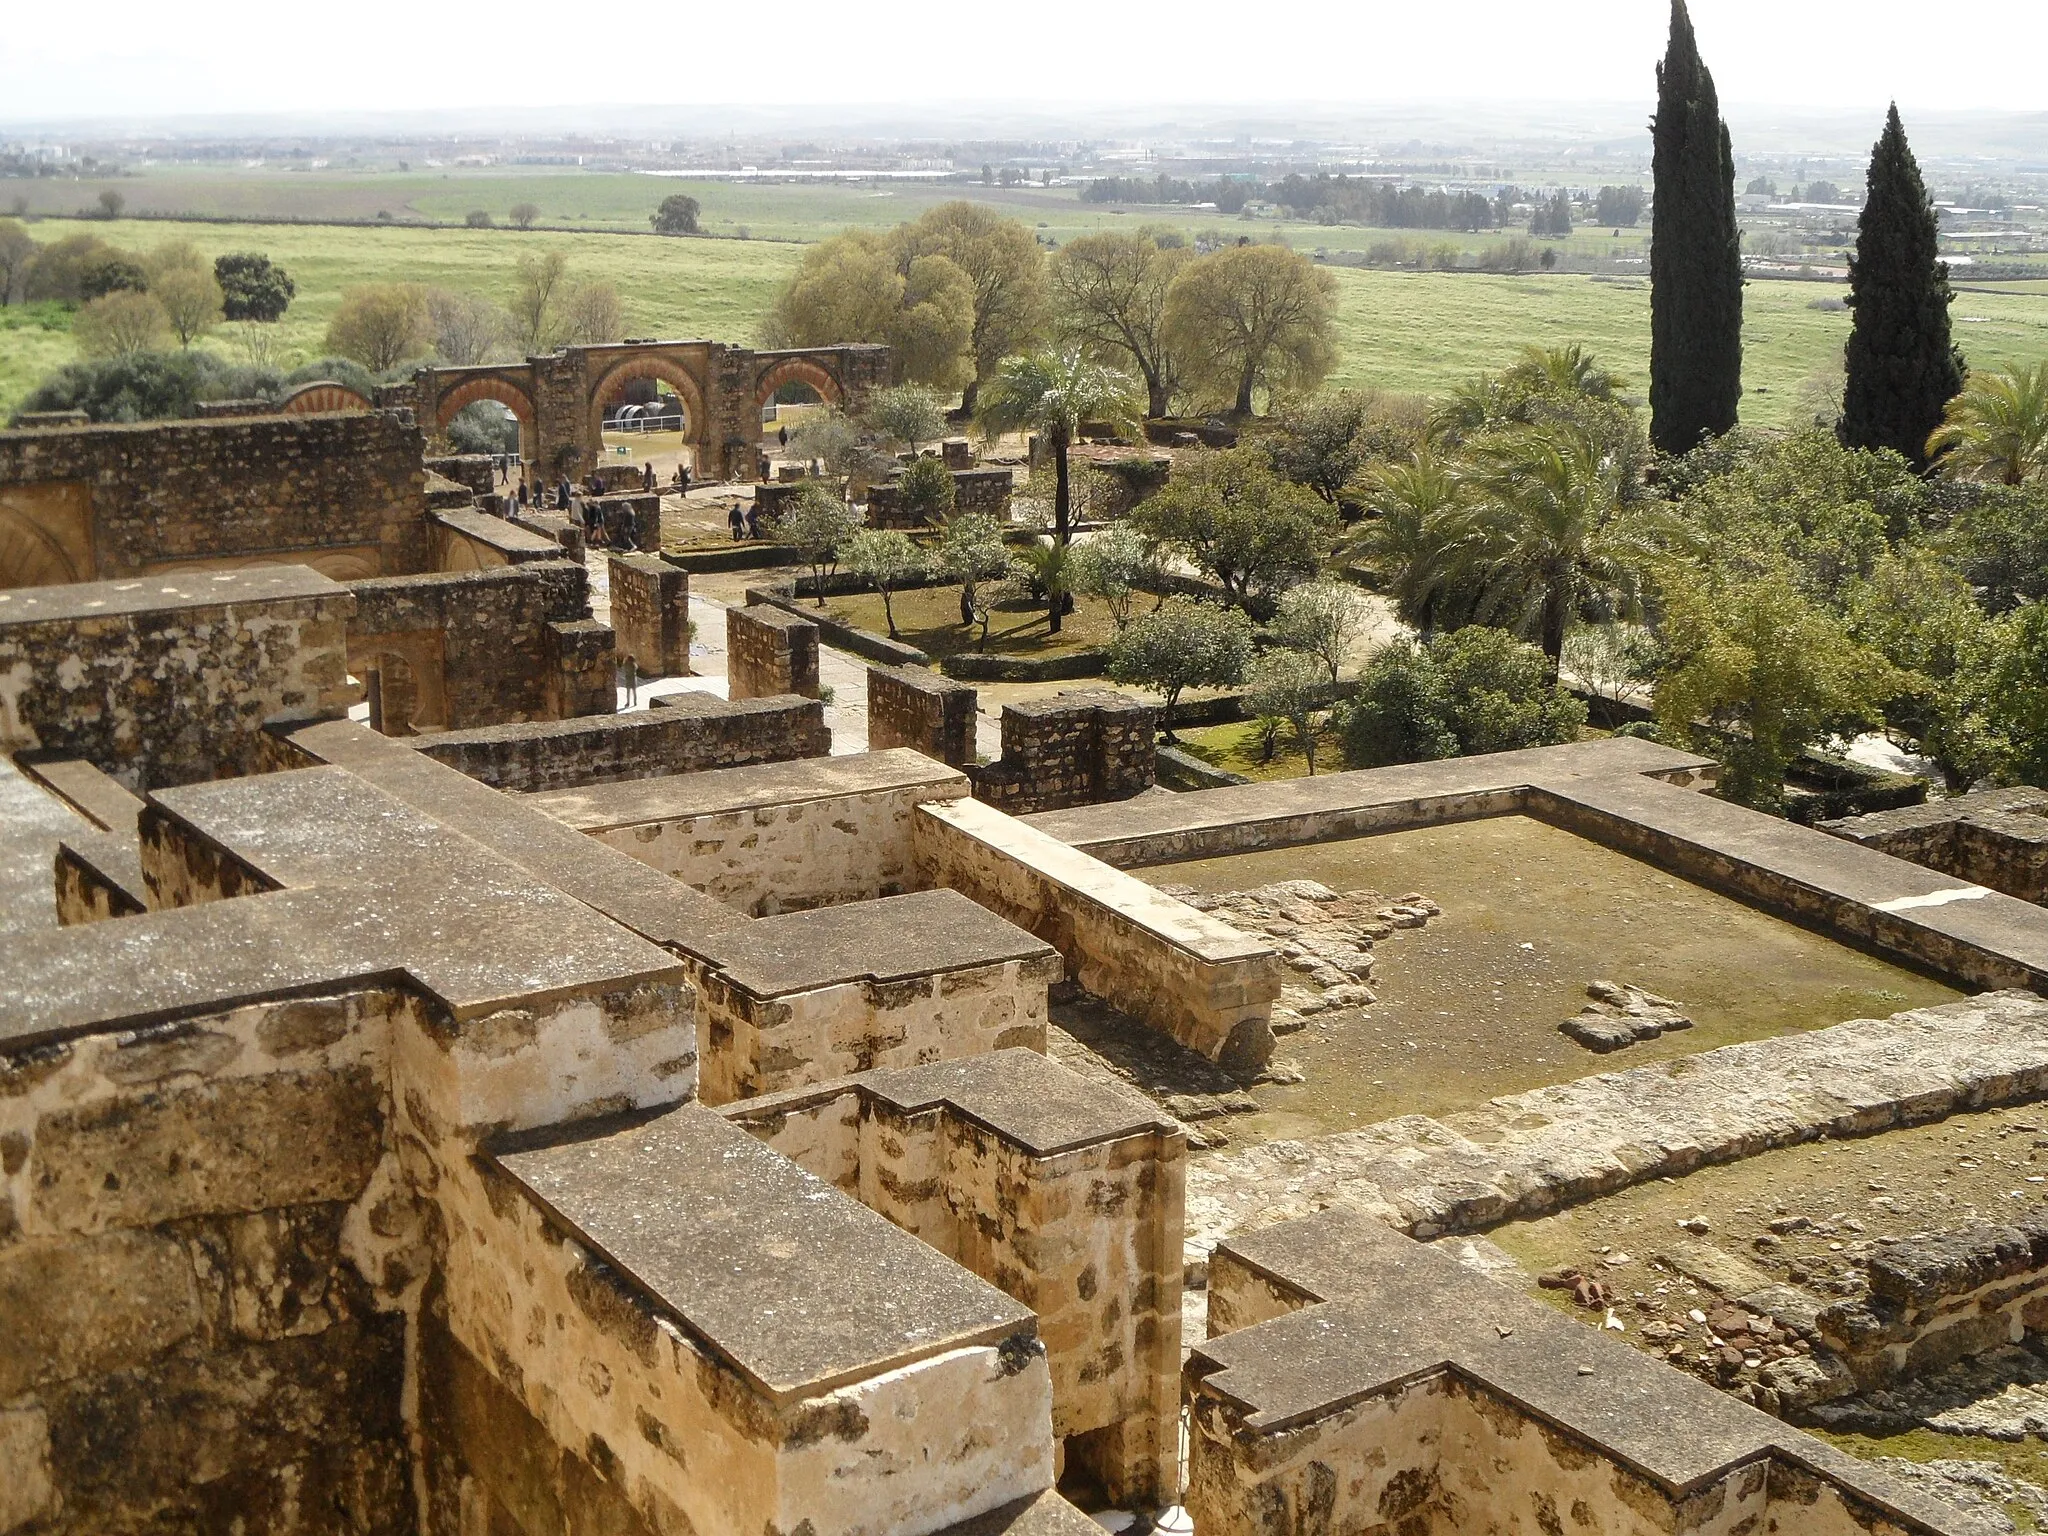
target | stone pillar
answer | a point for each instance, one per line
(651, 613)
(916, 707)
(958, 453)
(1077, 748)
(583, 666)
(769, 651)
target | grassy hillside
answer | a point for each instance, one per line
(1410, 331)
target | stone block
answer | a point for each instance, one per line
(1079, 747)
(245, 1144)
(651, 614)
(583, 669)
(769, 651)
(918, 708)
(82, 1306)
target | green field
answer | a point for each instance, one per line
(1403, 331)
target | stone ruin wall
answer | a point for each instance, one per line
(195, 1243)
(176, 694)
(344, 493)
(1994, 837)
(918, 708)
(1077, 748)
(769, 652)
(481, 645)
(689, 733)
(788, 857)
(651, 613)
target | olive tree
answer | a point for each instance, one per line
(818, 525)
(1181, 644)
(1324, 618)
(885, 560)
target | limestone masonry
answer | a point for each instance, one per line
(445, 1091)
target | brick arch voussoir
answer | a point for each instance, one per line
(799, 370)
(669, 371)
(469, 391)
(322, 395)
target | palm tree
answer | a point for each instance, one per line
(1548, 538)
(1997, 426)
(1415, 520)
(1052, 393)
(1568, 370)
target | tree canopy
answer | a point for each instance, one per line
(1251, 317)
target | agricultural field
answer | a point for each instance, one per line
(1397, 330)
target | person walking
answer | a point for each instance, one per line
(753, 520)
(736, 522)
(782, 436)
(647, 477)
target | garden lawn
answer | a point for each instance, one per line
(929, 618)
(1238, 749)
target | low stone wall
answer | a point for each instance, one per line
(477, 471)
(689, 733)
(1380, 1386)
(1077, 748)
(917, 708)
(1994, 837)
(780, 837)
(653, 1399)
(465, 539)
(1527, 1154)
(1940, 1298)
(630, 519)
(831, 631)
(769, 651)
(565, 531)
(458, 650)
(1182, 973)
(809, 996)
(343, 493)
(1078, 1219)
(170, 681)
(651, 614)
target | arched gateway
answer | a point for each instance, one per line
(561, 398)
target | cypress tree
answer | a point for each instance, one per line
(1695, 254)
(1902, 363)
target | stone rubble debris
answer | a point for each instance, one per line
(1620, 1015)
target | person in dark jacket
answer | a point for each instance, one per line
(736, 521)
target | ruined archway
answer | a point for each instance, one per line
(32, 556)
(797, 370)
(320, 396)
(663, 369)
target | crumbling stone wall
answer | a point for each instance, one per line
(1991, 837)
(173, 683)
(986, 491)
(475, 471)
(775, 837)
(688, 733)
(651, 614)
(1076, 748)
(922, 709)
(343, 493)
(1084, 1228)
(466, 539)
(1176, 969)
(484, 647)
(769, 651)
(198, 1329)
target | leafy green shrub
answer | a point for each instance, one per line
(1474, 690)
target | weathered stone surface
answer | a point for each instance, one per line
(170, 680)
(1995, 837)
(1619, 1015)
(769, 651)
(85, 1306)
(1533, 1152)
(300, 1434)
(26, 1491)
(246, 1144)
(917, 707)
(1077, 748)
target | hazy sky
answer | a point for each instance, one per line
(117, 58)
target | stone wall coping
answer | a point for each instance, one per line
(659, 909)
(795, 1285)
(1091, 880)
(2004, 804)
(924, 933)
(774, 617)
(496, 575)
(517, 543)
(921, 679)
(717, 791)
(1029, 1100)
(98, 796)
(1397, 1312)
(1041, 1514)
(1136, 832)
(165, 594)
